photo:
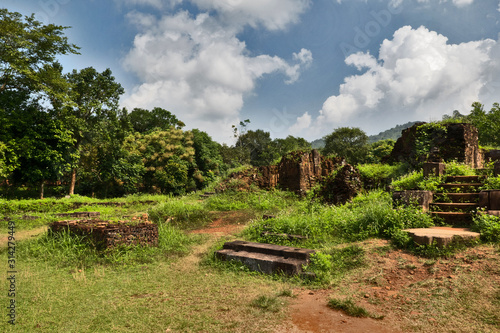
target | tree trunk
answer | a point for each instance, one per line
(73, 181)
(41, 189)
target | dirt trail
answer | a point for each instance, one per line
(308, 312)
(21, 235)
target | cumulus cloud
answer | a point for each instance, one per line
(303, 122)
(272, 14)
(418, 75)
(197, 68)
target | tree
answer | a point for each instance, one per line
(380, 149)
(487, 123)
(291, 143)
(28, 51)
(348, 142)
(95, 98)
(207, 156)
(144, 121)
(168, 158)
(42, 146)
(258, 144)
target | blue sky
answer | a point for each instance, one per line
(293, 67)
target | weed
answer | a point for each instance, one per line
(350, 308)
(266, 303)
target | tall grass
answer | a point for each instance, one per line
(65, 249)
(369, 215)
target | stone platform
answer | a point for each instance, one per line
(443, 236)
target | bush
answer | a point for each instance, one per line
(415, 181)
(488, 226)
(379, 175)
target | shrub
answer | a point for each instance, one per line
(379, 175)
(488, 226)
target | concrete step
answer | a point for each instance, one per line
(464, 179)
(442, 236)
(266, 258)
(454, 218)
(453, 206)
(459, 197)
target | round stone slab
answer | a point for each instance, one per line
(442, 235)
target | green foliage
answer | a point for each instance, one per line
(491, 183)
(168, 159)
(145, 121)
(454, 168)
(66, 249)
(488, 226)
(415, 181)
(487, 123)
(380, 149)
(380, 175)
(428, 135)
(369, 215)
(259, 147)
(207, 157)
(348, 142)
(177, 212)
(28, 55)
(332, 263)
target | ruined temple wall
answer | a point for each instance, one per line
(460, 143)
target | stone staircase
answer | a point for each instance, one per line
(266, 258)
(455, 206)
(458, 201)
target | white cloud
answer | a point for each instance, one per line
(418, 76)
(198, 69)
(303, 122)
(462, 3)
(272, 14)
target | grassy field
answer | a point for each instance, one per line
(64, 285)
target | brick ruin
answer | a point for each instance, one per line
(297, 171)
(110, 234)
(460, 143)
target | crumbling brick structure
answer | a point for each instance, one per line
(298, 172)
(107, 235)
(460, 143)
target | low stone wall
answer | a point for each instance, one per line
(107, 235)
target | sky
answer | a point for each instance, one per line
(292, 67)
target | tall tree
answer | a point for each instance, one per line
(95, 98)
(348, 142)
(259, 146)
(487, 123)
(145, 121)
(28, 52)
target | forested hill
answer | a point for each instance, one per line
(393, 133)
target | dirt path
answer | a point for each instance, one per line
(21, 235)
(308, 312)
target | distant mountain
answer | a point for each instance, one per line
(318, 144)
(393, 133)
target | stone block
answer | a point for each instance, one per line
(434, 169)
(413, 197)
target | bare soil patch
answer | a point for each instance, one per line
(22, 235)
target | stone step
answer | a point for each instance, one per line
(272, 249)
(453, 206)
(442, 236)
(459, 197)
(461, 186)
(454, 218)
(266, 258)
(464, 179)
